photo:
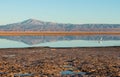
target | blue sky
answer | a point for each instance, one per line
(61, 11)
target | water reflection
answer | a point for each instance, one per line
(59, 41)
(11, 44)
(32, 40)
(80, 43)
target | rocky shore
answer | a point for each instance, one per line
(60, 62)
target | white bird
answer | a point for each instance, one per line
(100, 41)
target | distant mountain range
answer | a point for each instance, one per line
(37, 25)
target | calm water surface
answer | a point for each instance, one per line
(58, 41)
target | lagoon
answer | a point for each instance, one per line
(4, 43)
(81, 43)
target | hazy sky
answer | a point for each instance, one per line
(62, 11)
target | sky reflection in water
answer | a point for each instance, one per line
(52, 41)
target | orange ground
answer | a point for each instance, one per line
(47, 33)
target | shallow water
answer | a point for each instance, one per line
(71, 73)
(80, 43)
(11, 44)
(59, 41)
(22, 75)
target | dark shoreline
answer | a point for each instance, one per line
(61, 47)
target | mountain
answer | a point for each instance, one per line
(37, 25)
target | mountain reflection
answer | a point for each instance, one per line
(32, 40)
